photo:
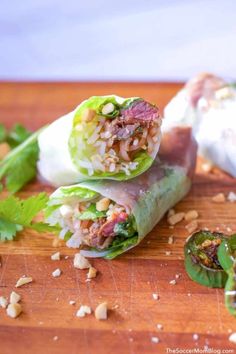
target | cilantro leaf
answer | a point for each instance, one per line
(20, 165)
(3, 133)
(16, 214)
(17, 135)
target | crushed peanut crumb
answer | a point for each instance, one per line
(232, 338)
(14, 310)
(191, 215)
(56, 256)
(171, 240)
(176, 218)
(56, 242)
(72, 302)
(56, 273)
(195, 336)
(92, 273)
(23, 281)
(83, 310)
(170, 213)
(103, 204)
(231, 197)
(81, 262)
(3, 302)
(192, 226)
(218, 198)
(172, 282)
(168, 253)
(101, 311)
(155, 296)
(14, 298)
(155, 340)
(159, 326)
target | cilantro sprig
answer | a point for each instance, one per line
(20, 165)
(17, 214)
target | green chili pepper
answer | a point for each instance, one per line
(227, 258)
(201, 262)
(230, 291)
(227, 253)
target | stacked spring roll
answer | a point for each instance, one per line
(110, 217)
(207, 104)
(104, 137)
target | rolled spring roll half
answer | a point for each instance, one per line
(208, 105)
(106, 137)
(111, 217)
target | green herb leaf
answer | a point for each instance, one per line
(92, 213)
(17, 135)
(20, 165)
(121, 247)
(3, 133)
(125, 229)
(16, 214)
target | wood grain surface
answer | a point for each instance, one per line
(48, 323)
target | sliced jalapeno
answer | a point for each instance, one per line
(201, 261)
(230, 291)
(227, 253)
(227, 258)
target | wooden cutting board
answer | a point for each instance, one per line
(48, 324)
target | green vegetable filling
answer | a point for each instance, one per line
(91, 213)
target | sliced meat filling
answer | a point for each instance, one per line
(101, 232)
(138, 115)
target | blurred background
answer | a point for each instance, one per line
(133, 40)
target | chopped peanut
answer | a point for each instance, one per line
(191, 215)
(55, 256)
(56, 242)
(88, 115)
(171, 240)
(81, 262)
(3, 302)
(23, 281)
(170, 213)
(92, 273)
(14, 310)
(83, 310)
(108, 108)
(103, 204)
(192, 226)
(56, 273)
(174, 219)
(232, 338)
(101, 311)
(14, 298)
(219, 198)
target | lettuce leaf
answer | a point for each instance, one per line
(92, 213)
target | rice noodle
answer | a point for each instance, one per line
(123, 150)
(150, 144)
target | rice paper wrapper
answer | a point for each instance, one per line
(150, 195)
(213, 123)
(65, 154)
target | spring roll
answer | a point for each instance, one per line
(105, 137)
(110, 217)
(207, 104)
